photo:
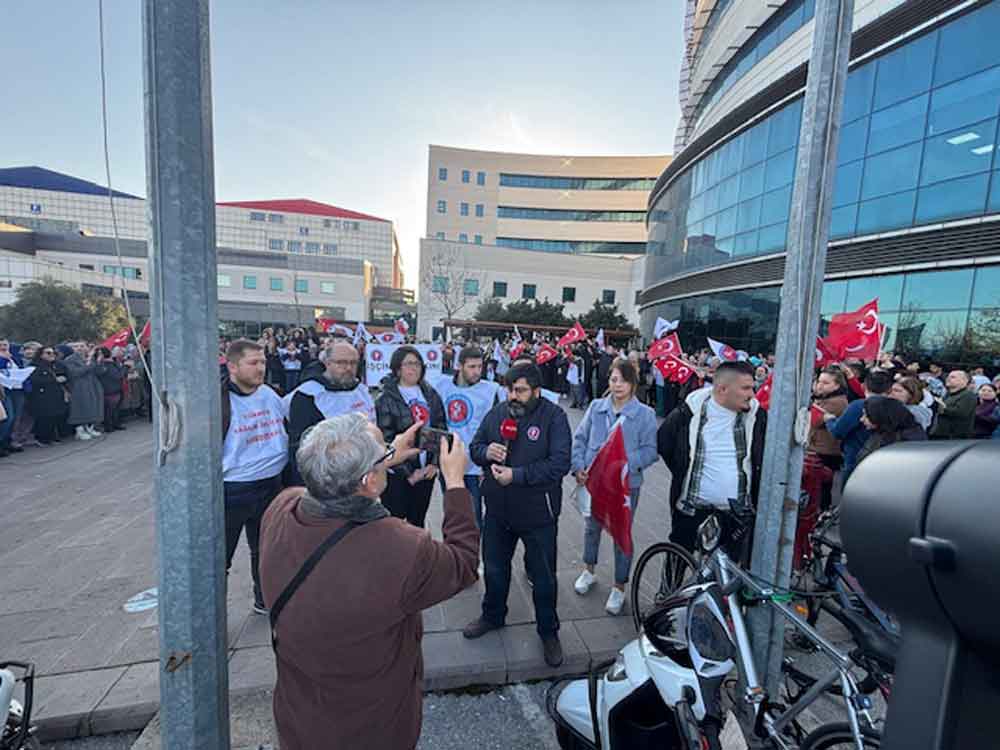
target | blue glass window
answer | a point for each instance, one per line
(964, 151)
(577, 183)
(294, 246)
(748, 215)
(478, 239)
(751, 182)
(970, 100)
(471, 287)
(728, 192)
(941, 290)
(755, 144)
(499, 288)
(463, 237)
(466, 175)
(277, 284)
(779, 170)
(842, 221)
(439, 235)
(847, 183)
(968, 44)
(784, 128)
(440, 284)
(463, 209)
(479, 210)
(528, 291)
(249, 282)
(745, 244)
(302, 285)
(772, 238)
(442, 173)
(833, 297)
(858, 94)
(726, 222)
(276, 244)
(987, 289)
(608, 296)
(905, 71)
(888, 289)
(774, 206)
(891, 172)
(480, 178)
(853, 138)
(890, 212)
(896, 125)
(994, 203)
(952, 199)
(442, 207)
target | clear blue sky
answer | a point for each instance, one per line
(337, 100)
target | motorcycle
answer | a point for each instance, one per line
(16, 731)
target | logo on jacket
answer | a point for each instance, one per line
(376, 355)
(459, 410)
(534, 432)
(420, 413)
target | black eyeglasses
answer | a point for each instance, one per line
(388, 454)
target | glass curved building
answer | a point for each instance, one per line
(917, 194)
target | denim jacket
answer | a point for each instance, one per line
(640, 436)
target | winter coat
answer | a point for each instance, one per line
(639, 431)
(987, 418)
(111, 375)
(394, 416)
(86, 405)
(48, 397)
(956, 419)
(820, 439)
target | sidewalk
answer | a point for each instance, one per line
(77, 542)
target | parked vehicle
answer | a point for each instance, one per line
(15, 717)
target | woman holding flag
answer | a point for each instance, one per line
(638, 428)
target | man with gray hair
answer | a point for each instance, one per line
(346, 584)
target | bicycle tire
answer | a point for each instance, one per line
(838, 734)
(675, 574)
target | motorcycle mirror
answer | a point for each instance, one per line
(709, 534)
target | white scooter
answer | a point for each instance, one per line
(16, 732)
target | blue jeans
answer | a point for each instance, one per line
(592, 544)
(12, 407)
(499, 541)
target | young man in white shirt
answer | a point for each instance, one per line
(254, 453)
(713, 445)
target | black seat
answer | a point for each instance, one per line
(873, 641)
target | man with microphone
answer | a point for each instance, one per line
(524, 447)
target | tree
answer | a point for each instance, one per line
(605, 316)
(449, 282)
(491, 309)
(52, 312)
(542, 313)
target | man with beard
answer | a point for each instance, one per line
(522, 488)
(336, 391)
(467, 399)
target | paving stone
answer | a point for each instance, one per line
(256, 632)
(252, 669)
(526, 660)
(63, 703)
(131, 702)
(450, 660)
(434, 619)
(604, 636)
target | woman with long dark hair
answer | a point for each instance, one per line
(889, 421)
(407, 398)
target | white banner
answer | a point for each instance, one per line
(377, 357)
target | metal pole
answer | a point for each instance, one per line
(194, 695)
(798, 322)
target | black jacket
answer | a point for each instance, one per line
(111, 375)
(673, 445)
(540, 457)
(394, 416)
(47, 397)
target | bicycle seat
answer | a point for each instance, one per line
(872, 640)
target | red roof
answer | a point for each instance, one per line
(303, 206)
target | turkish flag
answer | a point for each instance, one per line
(607, 482)
(545, 354)
(825, 354)
(119, 339)
(667, 367)
(856, 335)
(516, 351)
(574, 334)
(145, 334)
(402, 327)
(764, 392)
(815, 416)
(667, 346)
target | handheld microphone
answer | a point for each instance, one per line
(508, 431)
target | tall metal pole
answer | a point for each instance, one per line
(798, 322)
(194, 695)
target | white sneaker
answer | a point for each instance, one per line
(616, 600)
(584, 582)
(82, 434)
(92, 430)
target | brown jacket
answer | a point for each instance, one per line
(820, 439)
(350, 666)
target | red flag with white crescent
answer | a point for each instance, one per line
(545, 354)
(669, 345)
(764, 392)
(608, 484)
(574, 334)
(856, 335)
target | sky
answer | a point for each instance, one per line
(338, 100)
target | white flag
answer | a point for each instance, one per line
(517, 334)
(497, 351)
(663, 327)
(600, 339)
(725, 352)
(361, 334)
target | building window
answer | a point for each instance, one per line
(466, 175)
(276, 218)
(464, 209)
(6, 284)
(329, 248)
(35, 208)
(276, 244)
(479, 210)
(568, 214)
(576, 183)
(87, 266)
(471, 287)
(442, 173)
(463, 237)
(608, 296)
(258, 216)
(356, 225)
(328, 287)
(527, 291)
(480, 178)
(439, 235)
(302, 285)
(569, 294)
(312, 248)
(327, 224)
(303, 230)
(294, 246)
(249, 282)
(442, 207)
(499, 288)
(277, 284)
(478, 239)
(113, 270)
(440, 284)
(224, 279)
(572, 246)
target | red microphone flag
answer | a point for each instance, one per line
(508, 429)
(607, 482)
(574, 334)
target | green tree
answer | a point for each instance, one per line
(52, 312)
(491, 309)
(605, 316)
(543, 313)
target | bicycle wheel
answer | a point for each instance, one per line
(661, 571)
(838, 734)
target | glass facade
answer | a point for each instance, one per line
(952, 315)
(572, 246)
(576, 183)
(917, 146)
(566, 214)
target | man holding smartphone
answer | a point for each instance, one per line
(523, 446)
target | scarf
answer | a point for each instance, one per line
(356, 508)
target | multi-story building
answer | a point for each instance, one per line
(280, 262)
(917, 194)
(569, 229)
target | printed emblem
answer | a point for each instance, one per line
(420, 413)
(459, 410)
(376, 355)
(534, 432)
(432, 355)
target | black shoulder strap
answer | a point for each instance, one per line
(303, 573)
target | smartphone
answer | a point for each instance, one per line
(430, 441)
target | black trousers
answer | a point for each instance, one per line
(408, 501)
(46, 429)
(735, 540)
(833, 463)
(112, 414)
(245, 506)
(499, 541)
